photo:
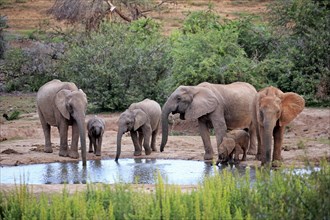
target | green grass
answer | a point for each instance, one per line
(273, 195)
(324, 141)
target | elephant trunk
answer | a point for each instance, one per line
(165, 113)
(96, 132)
(119, 136)
(268, 137)
(82, 134)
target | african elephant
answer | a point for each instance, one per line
(62, 104)
(234, 143)
(142, 120)
(214, 105)
(273, 111)
(95, 128)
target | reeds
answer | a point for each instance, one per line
(280, 194)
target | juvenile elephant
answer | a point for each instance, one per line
(236, 142)
(142, 120)
(214, 105)
(273, 111)
(62, 104)
(95, 128)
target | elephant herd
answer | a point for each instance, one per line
(256, 120)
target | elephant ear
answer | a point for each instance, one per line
(204, 102)
(292, 105)
(140, 118)
(60, 102)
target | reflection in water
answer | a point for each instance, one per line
(142, 171)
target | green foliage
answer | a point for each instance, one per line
(13, 116)
(119, 65)
(209, 51)
(280, 194)
(304, 27)
(201, 21)
(27, 70)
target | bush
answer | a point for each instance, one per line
(119, 65)
(209, 53)
(304, 27)
(29, 68)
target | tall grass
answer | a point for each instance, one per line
(272, 195)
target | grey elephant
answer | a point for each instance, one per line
(273, 111)
(62, 104)
(235, 142)
(142, 120)
(215, 106)
(95, 128)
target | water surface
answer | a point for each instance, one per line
(142, 171)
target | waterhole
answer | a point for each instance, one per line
(141, 171)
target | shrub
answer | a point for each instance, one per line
(209, 53)
(304, 32)
(118, 65)
(29, 68)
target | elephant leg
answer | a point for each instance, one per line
(278, 134)
(140, 138)
(94, 143)
(220, 129)
(90, 144)
(244, 148)
(73, 153)
(153, 140)
(252, 150)
(48, 145)
(63, 130)
(260, 144)
(137, 146)
(98, 146)
(205, 134)
(146, 139)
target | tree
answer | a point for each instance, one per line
(92, 12)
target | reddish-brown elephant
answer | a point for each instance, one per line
(273, 111)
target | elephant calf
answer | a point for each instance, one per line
(95, 128)
(142, 120)
(236, 142)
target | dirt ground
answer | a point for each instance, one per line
(22, 141)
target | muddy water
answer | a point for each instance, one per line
(142, 171)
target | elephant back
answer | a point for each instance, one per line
(152, 109)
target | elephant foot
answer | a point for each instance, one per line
(148, 152)
(236, 161)
(48, 150)
(90, 151)
(252, 152)
(258, 157)
(137, 153)
(73, 154)
(276, 163)
(208, 156)
(98, 153)
(63, 153)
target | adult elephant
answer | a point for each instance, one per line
(214, 105)
(273, 111)
(142, 120)
(62, 104)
